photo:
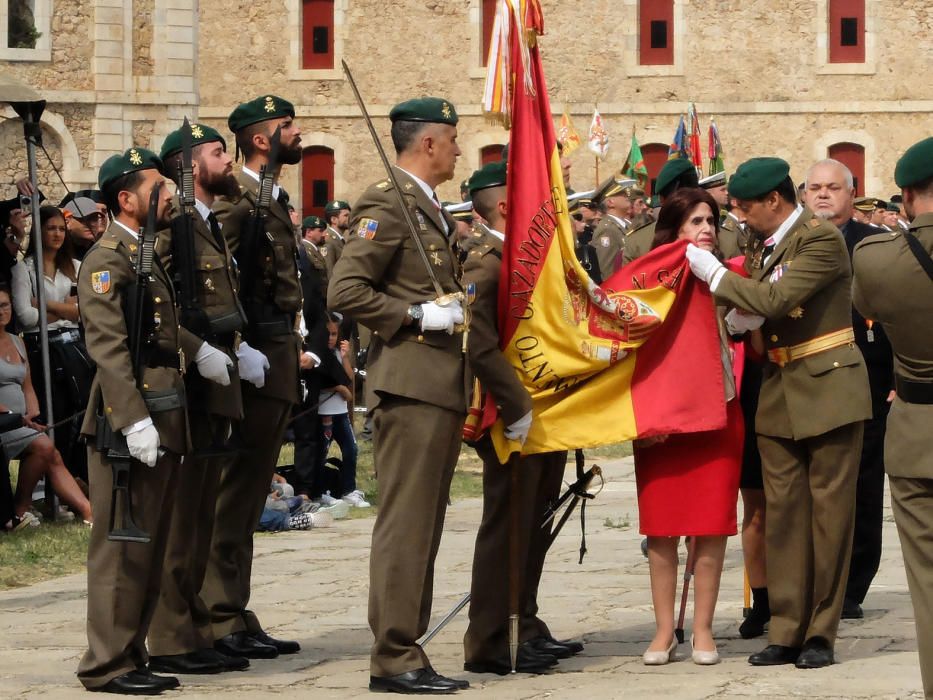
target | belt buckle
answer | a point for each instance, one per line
(779, 356)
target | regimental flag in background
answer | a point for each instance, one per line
(693, 139)
(716, 164)
(635, 167)
(597, 139)
(636, 357)
(567, 134)
(678, 148)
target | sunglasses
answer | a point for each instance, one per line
(577, 217)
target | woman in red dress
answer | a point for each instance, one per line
(688, 484)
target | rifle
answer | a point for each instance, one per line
(114, 442)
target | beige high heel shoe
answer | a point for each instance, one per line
(659, 658)
(704, 658)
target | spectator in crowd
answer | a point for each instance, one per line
(13, 229)
(688, 484)
(286, 511)
(85, 224)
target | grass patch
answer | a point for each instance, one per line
(39, 553)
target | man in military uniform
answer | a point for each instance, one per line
(863, 208)
(180, 637)
(893, 283)
(123, 577)
(415, 381)
(486, 641)
(675, 174)
(337, 216)
(829, 193)
(814, 397)
(271, 297)
(314, 237)
(614, 202)
(583, 235)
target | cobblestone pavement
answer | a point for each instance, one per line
(312, 586)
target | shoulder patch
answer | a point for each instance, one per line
(367, 229)
(100, 281)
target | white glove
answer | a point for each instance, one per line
(213, 364)
(143, 444)
(739, 322)
(253, 365)
(519, 429)
(441, 318)
(705, 265)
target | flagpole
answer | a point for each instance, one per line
(596, 158)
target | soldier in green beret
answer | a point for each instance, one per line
(612, 198)
(414, 381)
(272, 304)
(124, 577)
(813, 401)
(314, 239)
(337, 218)
(893, 284)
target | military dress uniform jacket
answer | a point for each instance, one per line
(804, 293)
(380, 275)
(733, 237)
(103, 281)
(609, 240)
(276, 288)
(891, 287)
(638, 243)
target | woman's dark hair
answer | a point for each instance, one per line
(64, 258)
(676, 209)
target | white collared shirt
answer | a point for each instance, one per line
(432, 195)
(778, 236)
(500, 236)
(275, 188)
(203, 210)
(624, 223)
(134, 234)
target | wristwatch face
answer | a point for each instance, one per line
(416, 312)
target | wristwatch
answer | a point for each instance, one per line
(415, 313)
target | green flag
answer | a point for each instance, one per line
(635, 164)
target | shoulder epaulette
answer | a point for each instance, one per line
(885, 237)
(109, 243)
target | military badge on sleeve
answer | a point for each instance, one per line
(100, 281)
(367, 229)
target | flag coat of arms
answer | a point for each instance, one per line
(567, 134)
(598, 139)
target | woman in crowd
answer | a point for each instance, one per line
(688, 484)
(37, 455)
(71, 369)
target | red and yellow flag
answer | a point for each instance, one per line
(567, 134)
(636, 357)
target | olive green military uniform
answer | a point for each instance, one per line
(638, 243)
(416, 392)
(124, 577)
(476, 240)
(733, 237)
(182, 621)
(272, 321)
(332, 248)
(317, 257)
(809, 423)
(891, 287)
(609, 241)
(541, 476)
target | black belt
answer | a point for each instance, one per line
(162, 358)
(161, 401)
(272, 327)
(913, 391)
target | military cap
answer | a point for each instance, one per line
(611, 187)
(425, 109)
(678, 170)
(880, 203)
(460, 211)
(711, 181)
(865, 204)
(895, 199)
(916, 165)
(490, 175)
(200, 133)
(655, 201)
(335, 206)
(893, 206)
(128, 162)
(757, 177)
(312, 222)
(259, 110)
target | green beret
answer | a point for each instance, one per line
(893, 206)
(655, 201)
(612, 187)
(490, 175)
(128, 162)
(200, 133)
(757, 177)
(259, 110)
(880, 204)
(916, 165)
(678, 170)
(425, 109)
(336, 206)
(312, 222)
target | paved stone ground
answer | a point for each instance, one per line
(312, 586)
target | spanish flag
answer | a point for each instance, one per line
(636, 357)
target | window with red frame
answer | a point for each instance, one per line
(656, 32)
(846, 31)
(490, 154)
(853, 157)
(655, 155)
(488, 12)
(317, 180)
(317, 34)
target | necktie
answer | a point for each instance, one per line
(215, 229)
(283, 198)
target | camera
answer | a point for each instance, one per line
(25, 203)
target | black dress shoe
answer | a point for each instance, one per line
(552, 647)
(137, 683)
(420, 681)
(457, 683)
(229, 663)
(242, 644)
(774, 655)
(755, 624)
(816, 653)
(851, 610)
(530, 660)
(169, 682)
(283, 646)
(184, 663)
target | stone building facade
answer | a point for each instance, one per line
(120, 72)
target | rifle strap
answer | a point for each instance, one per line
(923, 257)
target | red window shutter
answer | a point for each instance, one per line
(655, 155)
(846, 31)
(490, 154)
(317, 34)
(656, 32)
(853, 157)
(488, 10)
(317, 180)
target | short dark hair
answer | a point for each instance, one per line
(404, 134)
(786, 190)
(129, 182)
(675, 211)
(244, 138)
(485, 201)
(924, 187)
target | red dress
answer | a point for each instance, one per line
(689, 484)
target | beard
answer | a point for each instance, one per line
(222, 185)
(289, 155)
(824, 214)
